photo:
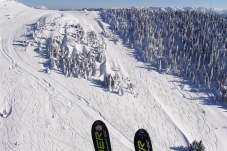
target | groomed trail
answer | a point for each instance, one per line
(54, 112)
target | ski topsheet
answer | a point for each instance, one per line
(100, 136)
(142, 141)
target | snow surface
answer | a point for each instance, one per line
(52, 112)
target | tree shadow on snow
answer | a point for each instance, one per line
(180, 148)
(149, 67)
(101, 84)
(98, 83)
(218, 103)
(212, 96)
(39, 50)
(18, 43)
(135, 53)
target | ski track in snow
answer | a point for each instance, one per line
(51, 112)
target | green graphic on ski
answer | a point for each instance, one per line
(142, 141)
(100, 136)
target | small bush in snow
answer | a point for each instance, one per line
(197, 146)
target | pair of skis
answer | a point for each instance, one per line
(101, 139)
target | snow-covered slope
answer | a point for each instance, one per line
(43, 111)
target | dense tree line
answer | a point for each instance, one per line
(187, 42)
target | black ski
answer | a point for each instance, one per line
(100, 136)
(142, 141)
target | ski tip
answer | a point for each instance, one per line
(142, 131)
(100, 136)
(98, 122)
(142, 140)
(98, 125)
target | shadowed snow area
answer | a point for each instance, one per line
(45, 104)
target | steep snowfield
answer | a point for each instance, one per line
(53, 112)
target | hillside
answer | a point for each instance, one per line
(53, 67)
(188, 43)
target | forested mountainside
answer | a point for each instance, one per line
(185, 42)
